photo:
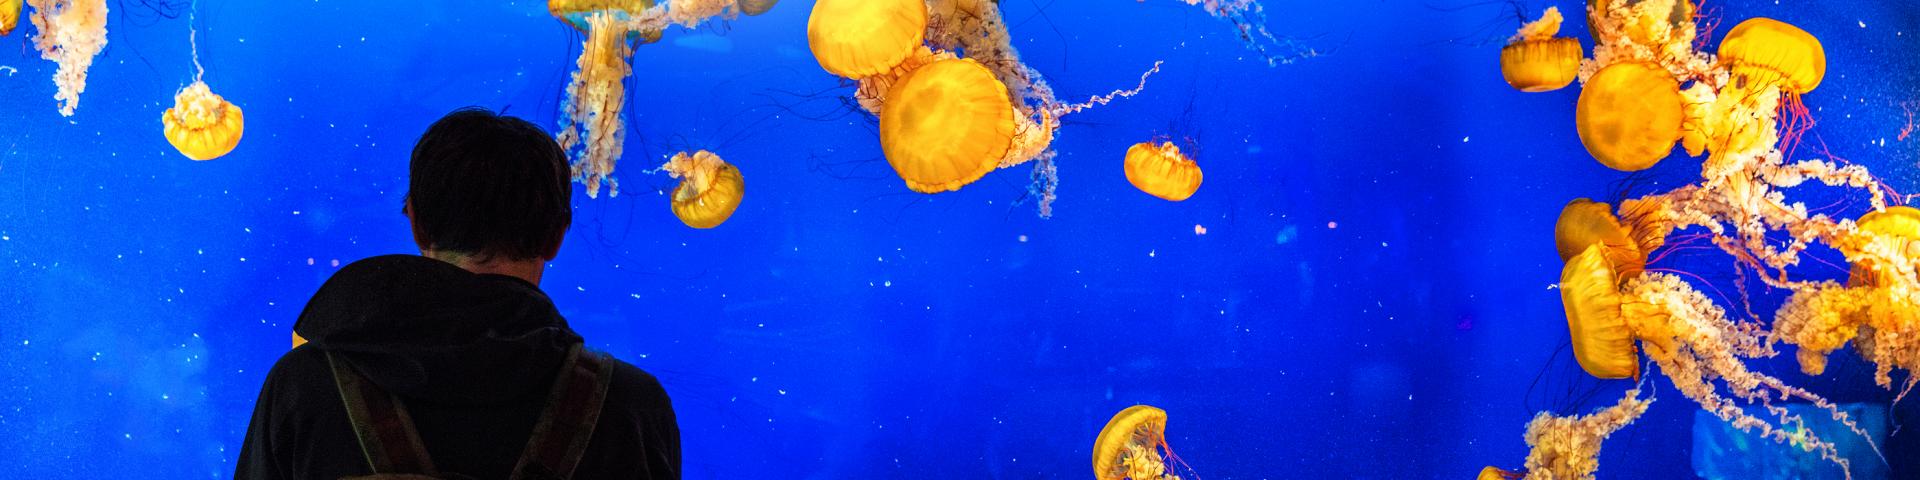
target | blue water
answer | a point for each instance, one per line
(1370, 298)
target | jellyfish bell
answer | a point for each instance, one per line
(1133, 446)
(1630, 115)
(1604, 322)
(756, 7)
(1537, 61)
(710, 189)
(1162, 171)
(1898, 228)
(1584, 223)
(859, 38)
(577, 13)
(946, 125)
(1764, 51)
(202, 125)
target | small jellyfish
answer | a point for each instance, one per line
(756, 7)
(201, 124)
(71, 32)
(1900, 228)
(861, 38)
(576, 13)
(1133, 446)
(946, 125)
(709, 191)
(9, 15)
(1535, 60)
(1162, 171)
(1630, 115)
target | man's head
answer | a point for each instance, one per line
(486, 188)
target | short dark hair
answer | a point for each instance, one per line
(486, 184)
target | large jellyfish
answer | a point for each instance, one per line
(1630, 115)
(862, 38)
(946, 125)
(710, 189)
(1568, 448)
(1162, 171)
(1739, 205)
(9, 15)
(1536, 60)
(591, 129)
(1133, 446)
(70, 32)
(201, 124)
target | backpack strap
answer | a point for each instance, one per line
(560, 439)
(386, 433)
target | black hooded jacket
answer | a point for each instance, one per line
(472, 358)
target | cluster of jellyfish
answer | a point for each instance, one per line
(1741, 109)
(201, 125)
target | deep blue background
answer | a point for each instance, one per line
(1370, 299)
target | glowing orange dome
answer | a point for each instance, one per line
(1590, 293)
(1769, 51)
(1585, 223)
(710, 189)
(860, 38)
(946, 125)
(1629, 115)
(201, 125)
(1162, 171)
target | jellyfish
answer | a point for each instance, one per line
(1630, 115)
(1878, 308)
(201, 124)
(709, 191)
(1584, 223)
(1162, 171)
(1495, 473)
(1249, 21)
(9, 15)
(946, 125)
(756, 7)
(592, 131)
(70, 32)
(1771, 64)
(1133, 446)
(862, 38)
(1535, 60)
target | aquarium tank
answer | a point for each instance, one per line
(1219, 239)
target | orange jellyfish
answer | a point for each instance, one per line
(709, 191)
(71, 33)
(576, 13)
(1162, 171)
(1133, 446)
(1630, 115)
(861, 38)
(201, 124)
(946, 125)
(1767, 58)
(1877, 307)
(1901, 227)
(1604, 322)
(9, 15)
(1535, 60)
(1585, 223)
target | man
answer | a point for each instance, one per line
(450, 363)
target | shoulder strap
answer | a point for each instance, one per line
(573, 408)
(386, 433)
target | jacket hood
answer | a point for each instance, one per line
(425, 329)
